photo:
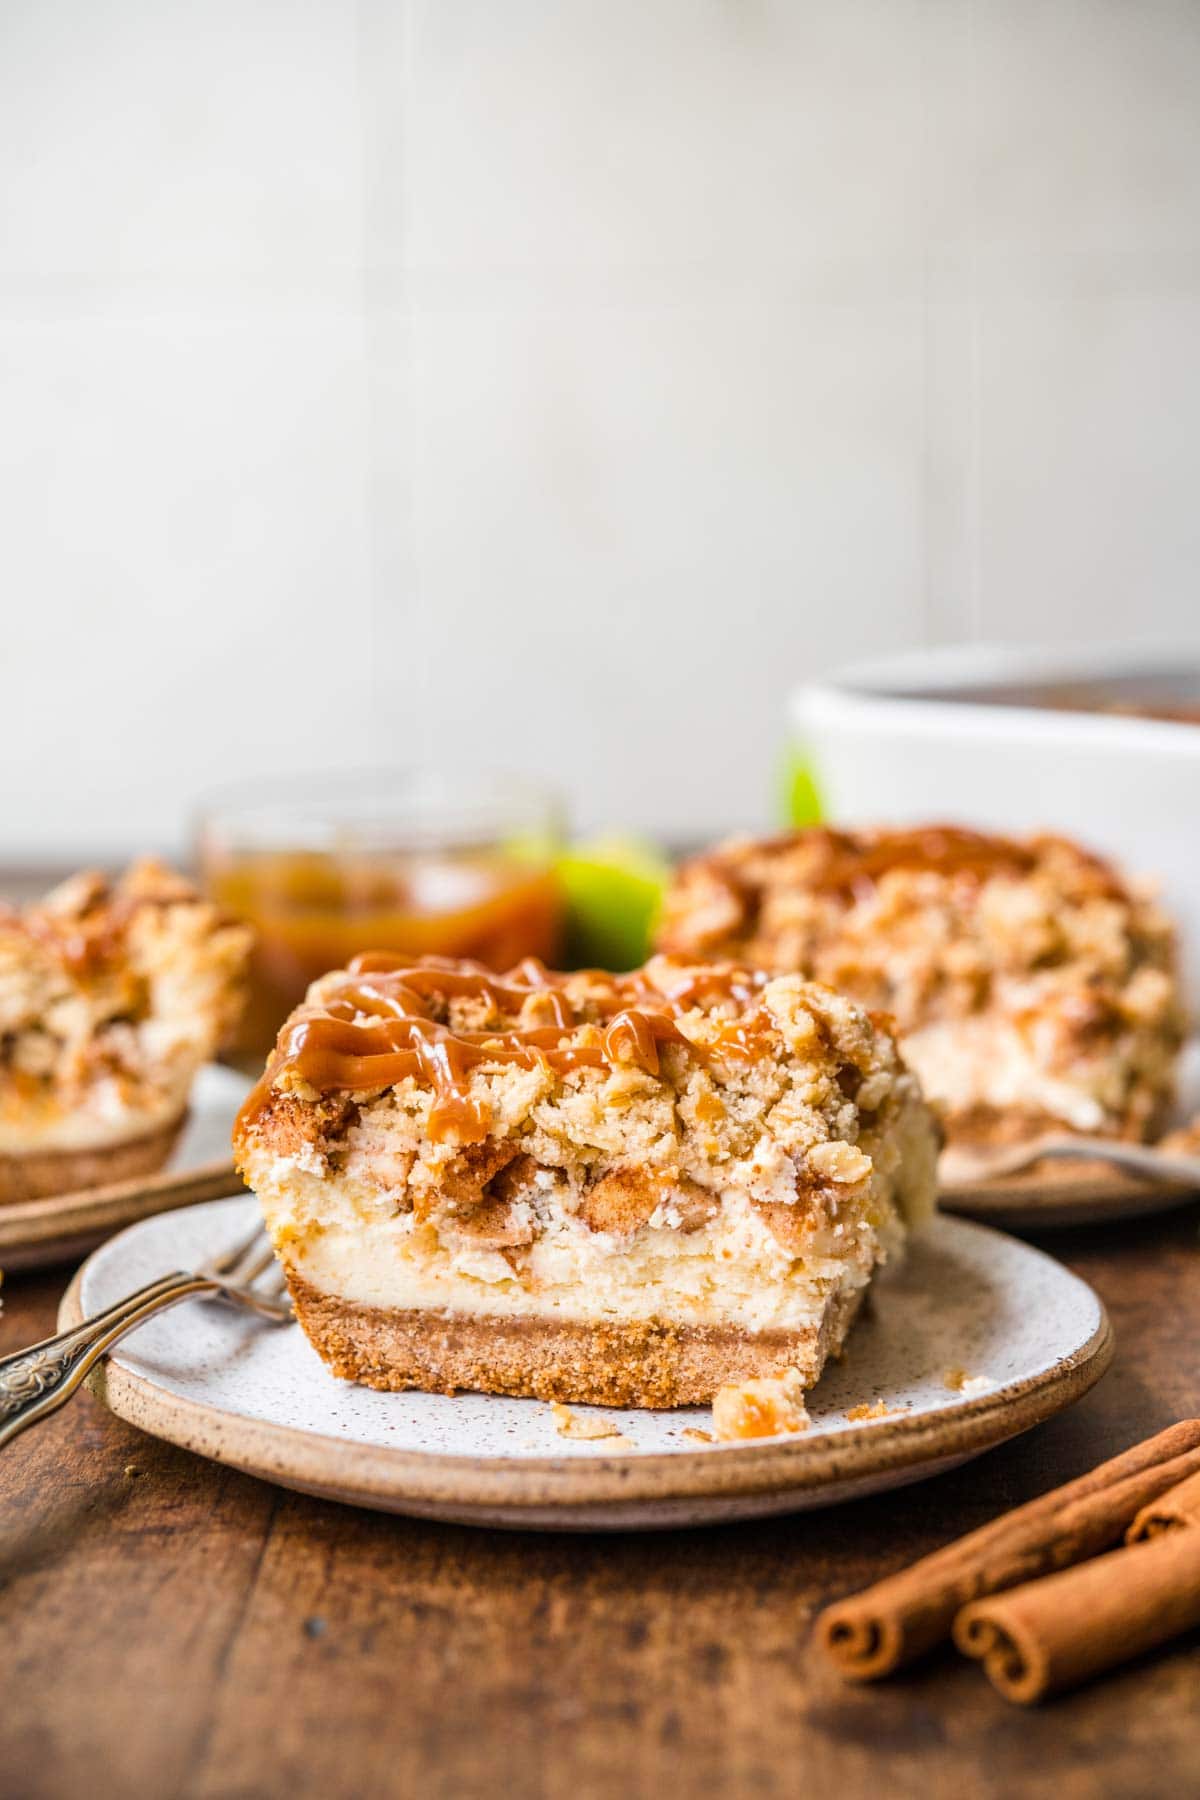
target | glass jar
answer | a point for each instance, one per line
(402, 860)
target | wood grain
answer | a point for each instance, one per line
(171, 1628)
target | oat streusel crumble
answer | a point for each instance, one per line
(1031, 986)
(112, 994)
(621, 1189)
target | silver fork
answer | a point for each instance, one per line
(1166, 1168)
(37, 1381)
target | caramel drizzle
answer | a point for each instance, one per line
(86, 950)
(85, 943)
(376, 1028)
(850, 863)
(937, 849)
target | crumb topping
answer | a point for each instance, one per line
(1026, 978)
(759, 1150)
(382, 1021)
(112, 993)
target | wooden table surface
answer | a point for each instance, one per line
(168, 1627)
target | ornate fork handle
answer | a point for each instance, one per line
(37, 1381)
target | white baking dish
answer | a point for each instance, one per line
(937, 736)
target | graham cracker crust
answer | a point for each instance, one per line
(652, 1363)
(43, 1173)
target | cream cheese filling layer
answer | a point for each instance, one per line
(103, 1120)
(967, 1063)
(730, 1272)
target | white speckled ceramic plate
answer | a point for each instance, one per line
(63, 1227)
(1075, 1193)
(1030, 1337)
(1061, 1193)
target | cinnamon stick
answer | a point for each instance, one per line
(1053, 1634)
(1178, 1507)
(889, 1624)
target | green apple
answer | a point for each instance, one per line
(614, 888)
(799, 797)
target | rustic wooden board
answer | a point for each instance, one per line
(172, 1628)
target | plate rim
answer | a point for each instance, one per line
(1050, 1206)
(1058, 1193)
(57, 1227)
(378, 1474)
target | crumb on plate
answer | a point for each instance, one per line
(569, 1425)
(960, 1382)
(874, 1409)
(770, 1406)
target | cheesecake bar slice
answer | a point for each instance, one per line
(112, 994)
(1033, 988)
(625, 1189)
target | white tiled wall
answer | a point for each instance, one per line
(573, 376)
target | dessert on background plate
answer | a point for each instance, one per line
(628, 1190)
(113, 994)
(1032, 987)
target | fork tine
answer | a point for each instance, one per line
(238, 1268)
(229, 1260)
(268, 1296)
(254, 1265)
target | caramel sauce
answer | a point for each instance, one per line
(378, 1025)
(89, 941)
(850, 862)
(1126, 699)
(81, 950)
(311, 911)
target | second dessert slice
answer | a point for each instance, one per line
(113, 994)
(1032, 986)
(620, 1189)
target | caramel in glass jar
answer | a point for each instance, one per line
(313, 911)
